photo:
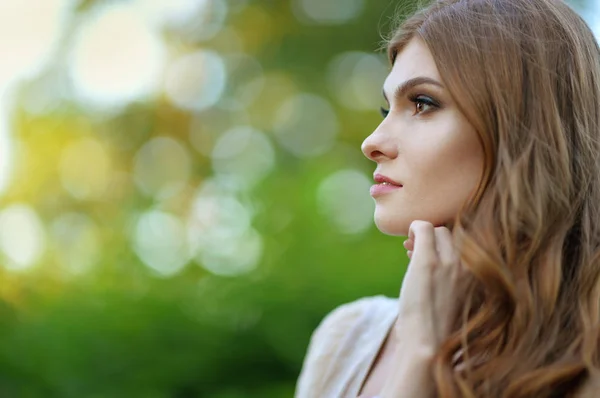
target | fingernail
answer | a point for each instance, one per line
(409, 253)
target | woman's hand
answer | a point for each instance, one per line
(430, 297)
(432, 288)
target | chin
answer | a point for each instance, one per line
(392, 225)
(395, 224)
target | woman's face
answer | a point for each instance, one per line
(429, 158)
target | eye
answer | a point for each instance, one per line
(423, 104)
(384, 112)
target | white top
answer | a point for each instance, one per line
(344, 346)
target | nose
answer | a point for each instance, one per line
(379, 146)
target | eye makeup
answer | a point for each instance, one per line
(423, 105)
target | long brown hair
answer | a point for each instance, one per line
(526, 73)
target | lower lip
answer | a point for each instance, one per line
(380, 189)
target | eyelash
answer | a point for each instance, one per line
(415, 99)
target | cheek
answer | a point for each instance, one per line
(430, 163)
(444, 176)
(450, 155)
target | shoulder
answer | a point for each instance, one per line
(350, 316)
(337, 335)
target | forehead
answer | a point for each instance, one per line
(415, 60)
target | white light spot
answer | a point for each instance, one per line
(196, 81)
(85, 169)
(162, 167)
(344, 198)
(76, 243)
(164, 11)
(22, 237)
(306, 125)
(245, 77)
(220, 232)
(207, 126)
(327, 11)
(356, 79)
(6, 146)
(29, 33)
(232, 257)
(244, 155)
(44, 94)
(206, 23)
(217, 213)
(159, 241)
(192, 19)
(117, 58)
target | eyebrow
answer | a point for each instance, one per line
(407, 85)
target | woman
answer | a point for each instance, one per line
(489, 160)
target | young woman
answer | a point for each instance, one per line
(488, 159)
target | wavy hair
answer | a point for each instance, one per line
(526, 74)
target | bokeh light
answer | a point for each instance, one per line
(162, 167)
(47, 92)
(160, 242)
(220, 231)
(327, 11)
(344, 199)
(116, 57)
(6, 146)
(243, 155)
(29, 34)
(306, 125)
(207, 126)
(22, 236)
(196, 81)
(162, 12)
(356, 79)
(245, 77)
(85, 169)
(76, 243)
(277, 88)
(193, 20)
(232, 257)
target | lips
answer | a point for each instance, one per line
(381, 179)
(384, 185)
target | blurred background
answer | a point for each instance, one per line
(182, 192)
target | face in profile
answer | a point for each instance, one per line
(429, 157)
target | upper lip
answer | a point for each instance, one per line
(380, 178)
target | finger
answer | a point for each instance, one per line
(423, 235)
(445, 246)
(409, 244)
